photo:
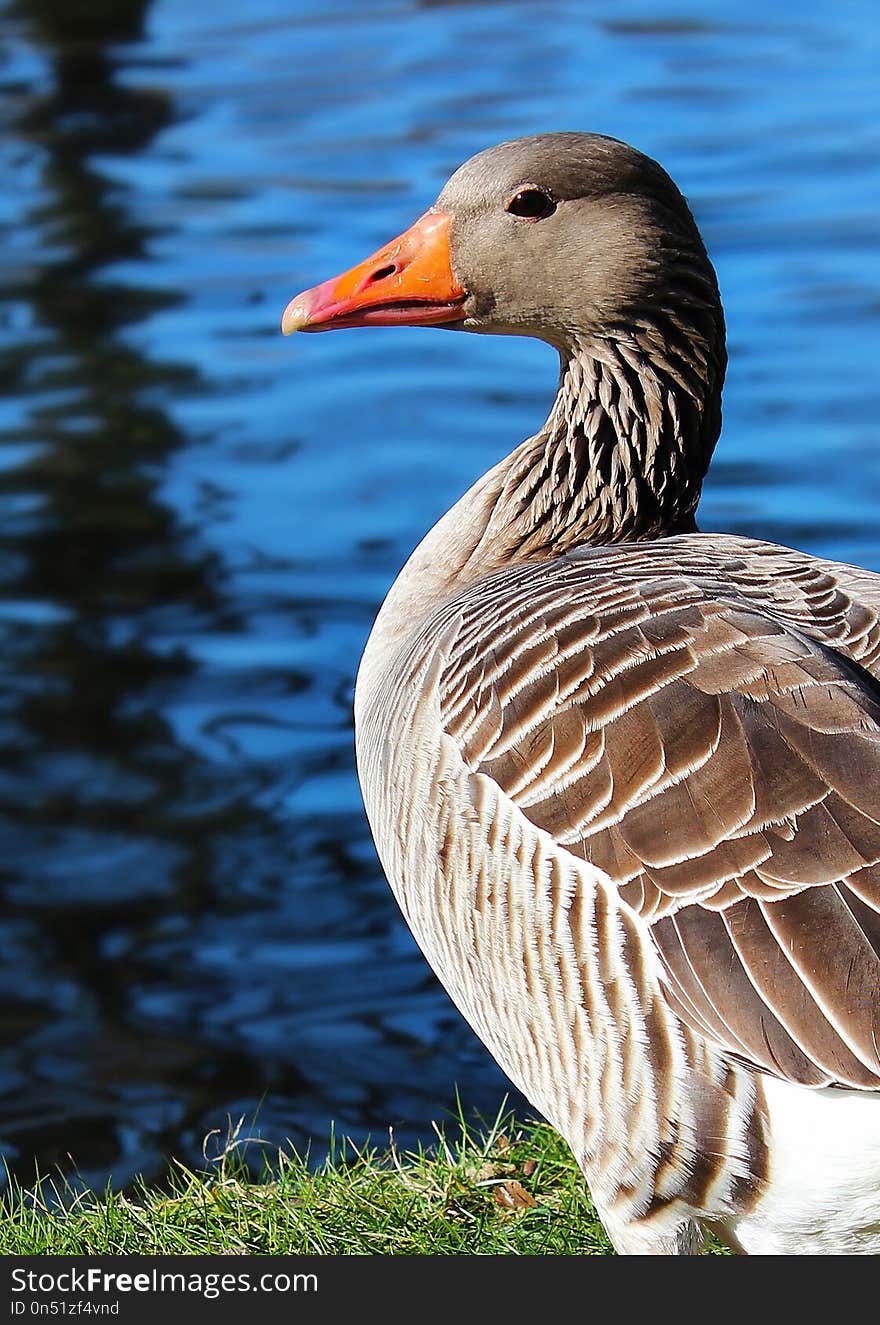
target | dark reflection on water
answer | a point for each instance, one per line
(198, 520)
(107, 820)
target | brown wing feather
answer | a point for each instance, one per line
(701, 728)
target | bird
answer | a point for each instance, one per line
(623, 776)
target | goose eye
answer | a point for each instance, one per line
(530, 204)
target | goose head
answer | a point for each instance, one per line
(567, 237)
(583, 242)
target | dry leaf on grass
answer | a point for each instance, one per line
(512, 1195)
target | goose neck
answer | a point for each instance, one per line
(621, 458)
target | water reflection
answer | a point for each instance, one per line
(102, 827)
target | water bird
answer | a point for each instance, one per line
(624, 777)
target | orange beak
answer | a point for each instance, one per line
(408, 283)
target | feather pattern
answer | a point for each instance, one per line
(714, 761)
(646, 777)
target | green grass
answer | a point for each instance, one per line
(510, 1188)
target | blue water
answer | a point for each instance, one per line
(199, 518)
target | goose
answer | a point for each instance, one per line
(623, 776)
